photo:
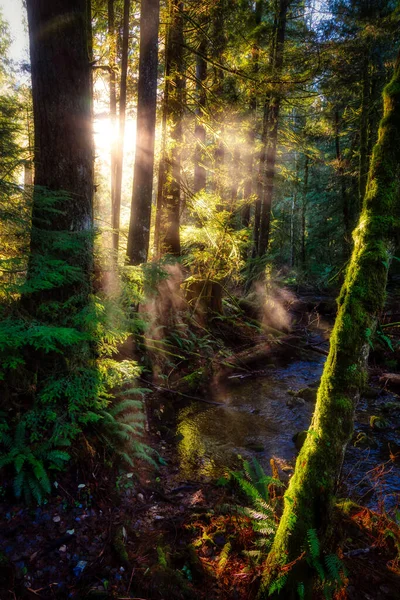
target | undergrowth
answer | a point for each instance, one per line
(59, 377)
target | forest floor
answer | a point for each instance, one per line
(164, 534)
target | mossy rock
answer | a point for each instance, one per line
(295, 401)
(119, 547)
(309, 394)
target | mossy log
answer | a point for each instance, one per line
(310, 497)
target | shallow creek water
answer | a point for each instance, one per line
(258, 417)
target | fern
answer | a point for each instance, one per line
(58, 356)
(301, 590)
(31, 463)
(334, 567)
(313, 544)
(278, 584)
(224, 556)
(254, 483)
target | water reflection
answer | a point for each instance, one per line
(254, 420)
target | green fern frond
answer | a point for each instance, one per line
(18, 484)
(301, 590)
(313, 543)
(35, 488)
(224, 556)
(334, 566)
(126, 405)
(247, 487)
(278, 584)
(19, 462)
(58, 457)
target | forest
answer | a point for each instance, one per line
(200, 299)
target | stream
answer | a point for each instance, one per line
(259, 416)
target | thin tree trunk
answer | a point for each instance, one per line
(218, 47)
(310, 497)
(139, 227)
(200, 131)
(235, 177)
(363, 174)
(293, 211)
(162, 171)
(273, 123)
(303, 212)
(342, 180)
(249, 181)
(112, 51)
(174, 93)
(261, 177)
(119, 155)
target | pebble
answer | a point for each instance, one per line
(56, 519)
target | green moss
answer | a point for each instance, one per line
(347, 507)
(119, 546)
(310, 499)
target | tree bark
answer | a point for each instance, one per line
(200, 131)
(218, 46)
(173, 98)
(119, 155)
(363, 166)
(342, 180)
(251, 136)
(303, 212)
(112, 53)
(310, 497)
(272, 136)
(61, 93)
(139, 227)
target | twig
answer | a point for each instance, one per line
(159, 388)
(130, 581)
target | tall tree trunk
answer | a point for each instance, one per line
(200, 131)
(61, 93)
(363, 166)
(139, 227)
(261, 177)
(310, 496)
(273, 124)
(162, 172)
(112, 53)
(342, 180)
(303, 212)
(235, 177)
(119, 155)
(173, 98)
(251, 136)
(218, 46)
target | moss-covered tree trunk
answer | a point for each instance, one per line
(310, 497)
